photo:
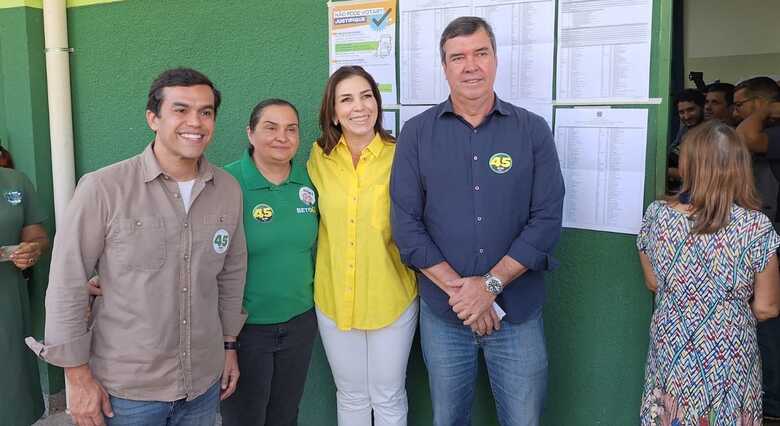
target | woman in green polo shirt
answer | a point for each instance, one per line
(22, 242)
(280, 221)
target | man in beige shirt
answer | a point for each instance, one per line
(164, 232)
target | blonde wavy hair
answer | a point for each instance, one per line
(716, 170)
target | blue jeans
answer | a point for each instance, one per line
(201, 411)
(516, 361)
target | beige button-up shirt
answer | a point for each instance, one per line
(172, 280)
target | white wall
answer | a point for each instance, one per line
(732, 40)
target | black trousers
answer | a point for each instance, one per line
(769, 345)
(273, 361)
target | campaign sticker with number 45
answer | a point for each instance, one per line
(221, 241)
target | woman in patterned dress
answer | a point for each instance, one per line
(709, 255)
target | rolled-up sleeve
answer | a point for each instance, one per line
(534, 245)
(231, 281)
(77, 247)
(407, 196)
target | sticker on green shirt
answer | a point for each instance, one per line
(263, 213)
(13, 197)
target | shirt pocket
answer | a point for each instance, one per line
(142, 243)
(380, 213)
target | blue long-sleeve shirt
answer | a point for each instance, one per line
(470, 196)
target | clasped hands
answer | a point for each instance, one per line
(473, 304)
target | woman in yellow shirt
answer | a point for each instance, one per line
(365, 298)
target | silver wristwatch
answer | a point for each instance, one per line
(493, 284)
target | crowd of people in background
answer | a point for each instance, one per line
(715, 275)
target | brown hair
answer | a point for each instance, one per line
(716, 172)
(331, 133)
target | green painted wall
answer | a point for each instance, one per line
(24, 129)
(597, 311)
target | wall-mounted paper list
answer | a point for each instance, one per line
(603, 49)
(602, 155)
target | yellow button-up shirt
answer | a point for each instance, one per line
(359, 280)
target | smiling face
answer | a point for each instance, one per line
(690, 113)
(275, 137)
(356, 108)
(470, 67)
(185, 123)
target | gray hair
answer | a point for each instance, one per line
(465, 26)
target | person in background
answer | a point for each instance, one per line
(757, 106)
(5, 158)
(719, 102)
(164, 231)
(709, 255)
(690, 110)
(477, 194)
(366, 299)
(280, 208)
(23, 241)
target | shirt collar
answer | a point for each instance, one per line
(499, 106)
(152, 167)
(374, 147)
(253, 179)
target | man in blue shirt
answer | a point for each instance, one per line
(477, 194)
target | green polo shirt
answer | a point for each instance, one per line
(280, 222)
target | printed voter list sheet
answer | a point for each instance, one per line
(602, 155)
(363, 33)
(524, 32)
(603, 49)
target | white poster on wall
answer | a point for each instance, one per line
(602, 155)
(363, 33)
(603, 50)
(524, 32)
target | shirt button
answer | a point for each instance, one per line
(137, 223)
(475, 130)
(479, 218)
(222, 218)
(352, 221)
(184, 354)
(186, 257)
(476, 188)
(184, 290)
(352, 243)
(350, 265)
(166, 177)
(476, 158)
(184, 322)
(186, 225)
(481, 251)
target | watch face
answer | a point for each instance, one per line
(493, 285)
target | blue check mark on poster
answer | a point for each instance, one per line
(379, 22)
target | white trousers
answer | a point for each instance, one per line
(369, 368)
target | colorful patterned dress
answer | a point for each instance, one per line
(703, 365)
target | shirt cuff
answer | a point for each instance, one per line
(532, 258)
(232, 323)
(422, 258)
(72, 353)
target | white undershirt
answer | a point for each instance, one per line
(185, 188)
